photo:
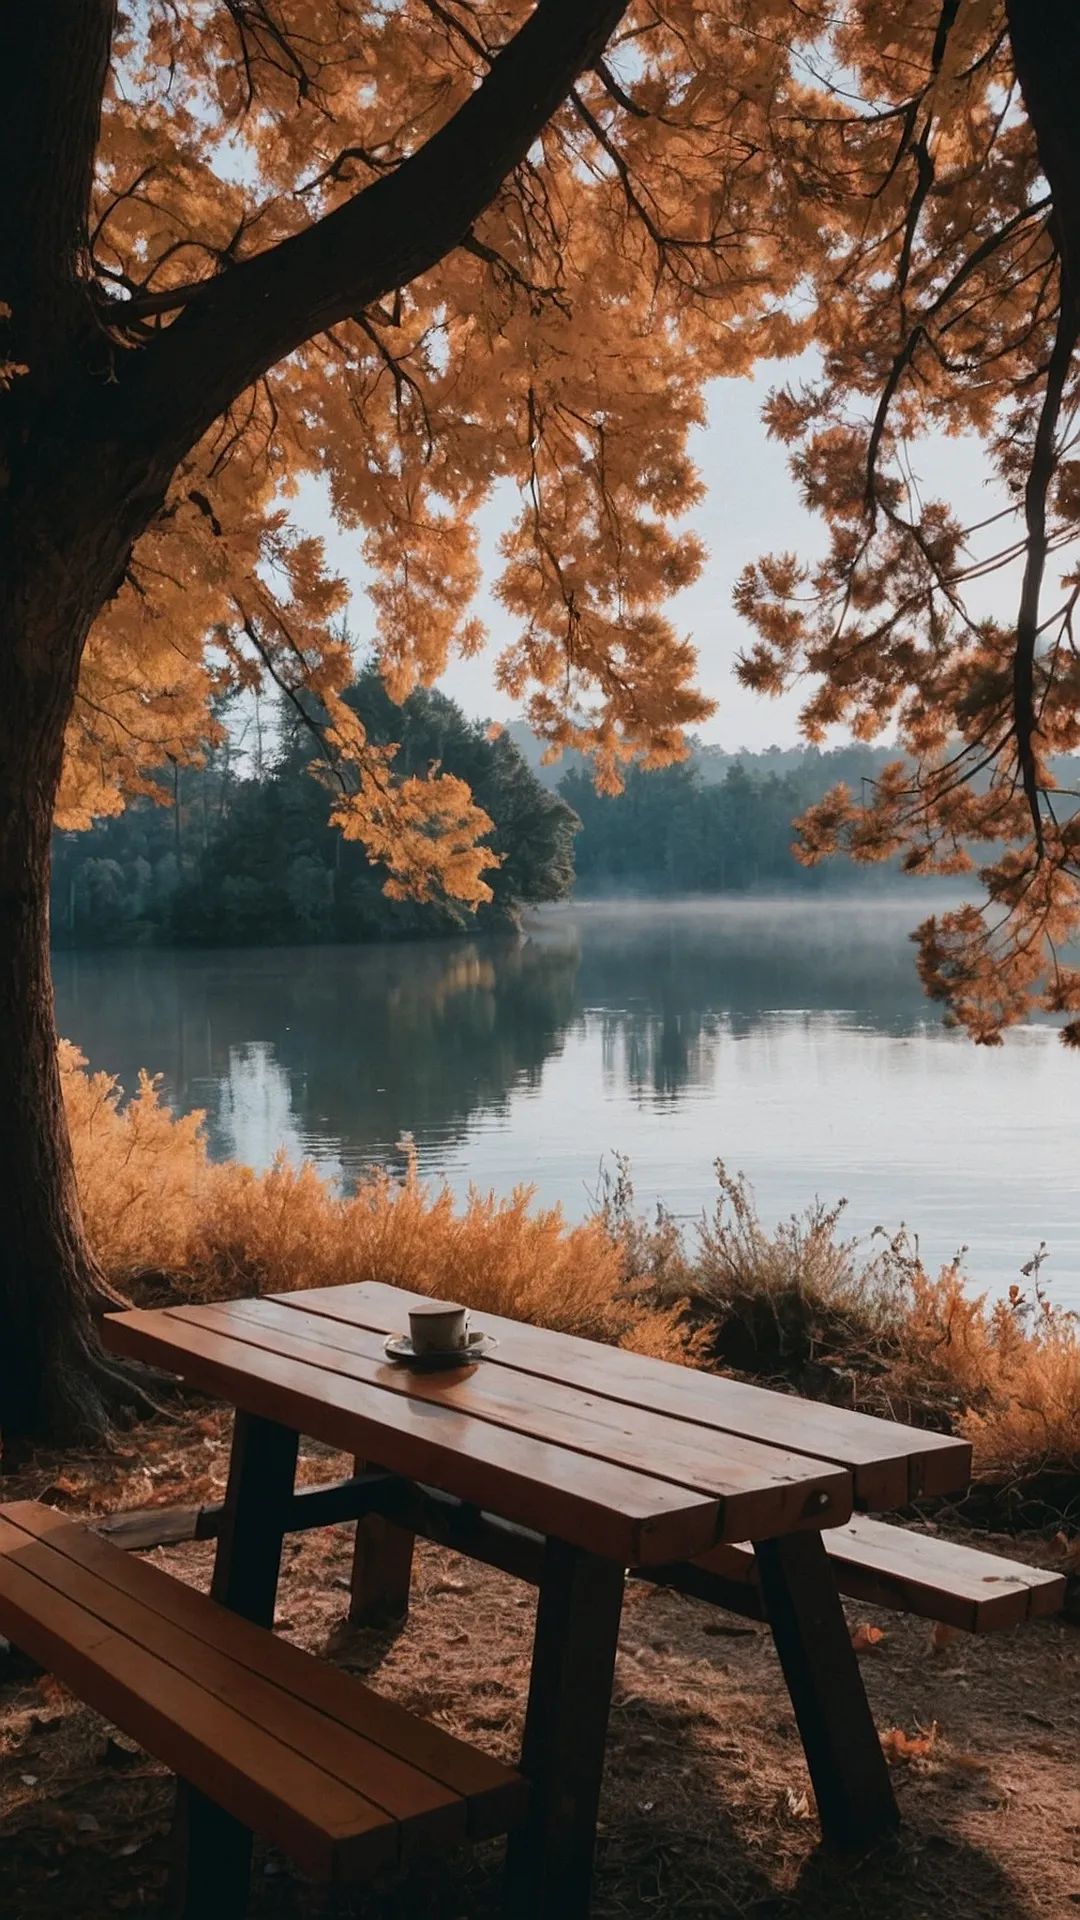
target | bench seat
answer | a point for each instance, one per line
(906, 1572)
(340, 1779)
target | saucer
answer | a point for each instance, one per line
(400, 1349)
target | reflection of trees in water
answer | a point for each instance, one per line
(668, 983)
(420, 1043)
(343, 1049)
(660, 1052)
(748, 960)
(375, 1043)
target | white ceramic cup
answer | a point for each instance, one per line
(439, 1326)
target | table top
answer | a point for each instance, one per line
(637, 1459)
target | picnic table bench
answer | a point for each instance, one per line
(342, 1780)
(561, 1461)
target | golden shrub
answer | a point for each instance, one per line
(153, 1203)
(143, 1174)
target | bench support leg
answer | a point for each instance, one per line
(550, 1860)
(212, 1858)
(381, 1570)
(854, 1793)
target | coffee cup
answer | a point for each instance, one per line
(439, 1326)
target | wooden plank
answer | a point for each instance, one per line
(142, 1529)
(493, 1792)
(285, 1797)
(856, 1805)
(891, 1463)
(920, 1570)
(436, 1812)
(550, 1858)
(762, 1490)
(623, 1515)
(908, 1572)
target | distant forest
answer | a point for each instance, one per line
(240, 851)
(678, 830)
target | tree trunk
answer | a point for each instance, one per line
(1045, 36)
(56, 1380)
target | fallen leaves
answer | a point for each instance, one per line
(898, 1745)
(62, 1491)
(865, 1636)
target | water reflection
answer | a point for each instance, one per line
(339, 1051)
(670, 983)
(791, 1040)
(335, 1052)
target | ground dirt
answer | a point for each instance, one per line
(707, 1807)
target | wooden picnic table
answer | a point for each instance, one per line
(590, 1460)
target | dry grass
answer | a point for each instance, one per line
(800, 1305)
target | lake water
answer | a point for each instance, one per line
(789, 1039)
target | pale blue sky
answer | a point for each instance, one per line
(751, 506)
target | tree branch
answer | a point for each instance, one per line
(1045, 37)
(1044, 461)
(399, 226)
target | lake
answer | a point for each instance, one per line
(789, 1039)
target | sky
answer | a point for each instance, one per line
(751, 506)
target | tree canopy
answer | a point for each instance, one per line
(711, 186)
(945, 296)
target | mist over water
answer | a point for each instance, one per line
(789, 1038)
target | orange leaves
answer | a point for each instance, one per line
(425, 833)
(900, 1746)
(933, 307)
(864, 1637)
(560, 352)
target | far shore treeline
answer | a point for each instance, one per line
(240, 851)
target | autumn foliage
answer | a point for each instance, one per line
(942, 300)
(887, 186)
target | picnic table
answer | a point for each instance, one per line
(568, 1463)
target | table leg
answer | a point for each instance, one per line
(549, 1861)
(212, 1851)
(262, 1470)
(381, 1569)
(851, 1780)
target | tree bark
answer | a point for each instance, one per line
(55, 1378)
(48, 1280)
(1045, 37)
